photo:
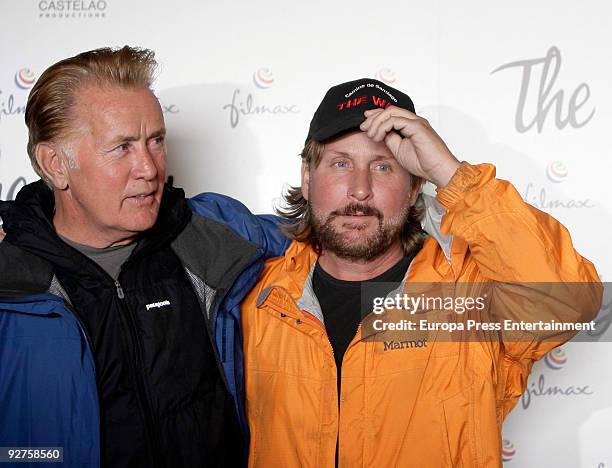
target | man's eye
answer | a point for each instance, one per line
(383, 167)
(123, 147)
(159, 140)
(341, 164)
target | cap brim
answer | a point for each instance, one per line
(339, 126)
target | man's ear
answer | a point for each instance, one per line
(52, 165)
(305, 179)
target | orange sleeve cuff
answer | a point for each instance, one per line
(466, 177)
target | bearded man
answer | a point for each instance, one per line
(324, 386)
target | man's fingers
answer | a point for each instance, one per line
(369, 114)
(373, 111)
(405, 126)
(399, 111)
(393, 142)
(375, 119)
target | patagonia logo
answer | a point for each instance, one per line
(392, 345)
(157, 305)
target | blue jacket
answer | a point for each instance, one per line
(48, 394)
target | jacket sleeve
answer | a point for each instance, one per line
(509, 239)
(537, 273)
(262, 230)
(47, 380)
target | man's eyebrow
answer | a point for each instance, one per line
(122, 138)
(383, 157)
(339, 153)
(377, 157)
(158, 133)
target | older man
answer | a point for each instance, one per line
(326, 382)
(118, 298)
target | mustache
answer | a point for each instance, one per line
(356, 208)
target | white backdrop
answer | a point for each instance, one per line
(525, 86)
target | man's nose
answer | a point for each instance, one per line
(360, 185)
(144, 166)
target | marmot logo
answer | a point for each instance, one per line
(391, 345)
(157, 305)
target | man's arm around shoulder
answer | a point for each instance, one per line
(262, 230)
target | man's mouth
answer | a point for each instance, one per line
(357, 211)
(143, 198)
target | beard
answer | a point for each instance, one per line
(368, 248)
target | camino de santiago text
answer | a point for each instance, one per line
(371, 85)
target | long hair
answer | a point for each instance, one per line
(299, 218)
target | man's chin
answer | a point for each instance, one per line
(360, 235)
(143, 220)
(356, 253)
(359, 245)
(350, 246)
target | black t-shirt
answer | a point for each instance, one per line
(341, 304)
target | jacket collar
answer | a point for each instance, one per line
(299, 265)
(28, 223)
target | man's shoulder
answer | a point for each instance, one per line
(213, 251)
(222, 209)
(22, 273)
(210, 203)
(297, 252)
(294, 266)
(216, 212)
(286, 273)
(211, 226)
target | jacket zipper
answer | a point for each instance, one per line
(317, 323)
(351, 345)
(152, 438)
(151, 426)
(120, 293)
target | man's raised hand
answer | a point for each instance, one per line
(416, 146)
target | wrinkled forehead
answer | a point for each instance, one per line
(101, 110)
(115, 100)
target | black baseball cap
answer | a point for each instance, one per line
(343, 106)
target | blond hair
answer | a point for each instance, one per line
(50, 107)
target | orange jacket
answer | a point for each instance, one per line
(437, 405)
